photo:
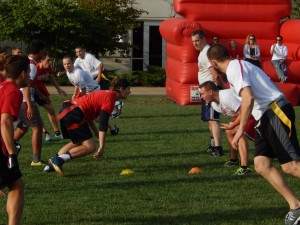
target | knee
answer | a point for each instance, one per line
(261, 167)
(291, 168)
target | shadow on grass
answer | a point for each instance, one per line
(159, 116)
(232, 217)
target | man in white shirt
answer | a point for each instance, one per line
(227, 102)
(275, 135)
(206, 73)
(279, 53)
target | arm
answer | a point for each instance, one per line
(272, 49)
(103, 121)
(231, 125)
(54, 83)
(100, 69)
(7, 132)
(216, 76)
(26, 93)
(246, 51)
(246, 109)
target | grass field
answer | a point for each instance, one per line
(161, 142)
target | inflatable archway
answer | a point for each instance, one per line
(228, 19)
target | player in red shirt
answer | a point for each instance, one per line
(41, 96)
(17, 76)
(74, 116)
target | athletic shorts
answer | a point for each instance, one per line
(272, 135)
(78, 134)
(39, 100)
(208, 113)
(36, 119)
(7, 176)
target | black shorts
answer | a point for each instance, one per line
(7, 176)
(208, 113)
(78, 134)
(39, 100)
(272, 136)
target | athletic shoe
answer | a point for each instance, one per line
(40, 163)
(49, 169)
(241, 172)
(210, 149)
(293, 217)
(115, 131)
(57, 163)
(58, 136)
(48, 138)
(217, 152)
(231, 163)
(17, 146)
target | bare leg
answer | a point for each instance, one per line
(78, 150)
(51, 115)
(20, 132)
(215, 131)
(263, 166)
(37, 140)
(15, 202)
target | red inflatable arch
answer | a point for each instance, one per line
(228, 19)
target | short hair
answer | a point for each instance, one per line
(45, 55)
(15, 65)
(3, 59)
(209, 85)
(35, 47)
(119, 82)
(200, 33)
(67, 57)
(218, 52)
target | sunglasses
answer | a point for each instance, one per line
(251, 38)
(279, 39)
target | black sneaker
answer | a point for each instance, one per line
(293, 217)
(231, 163)
(241, 172)
(17, 146)
(217, 152)
(210, 149)
(57, 163)
(114, 131)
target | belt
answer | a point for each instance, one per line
(96, 87)
(275, 106)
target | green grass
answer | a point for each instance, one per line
(161, 142)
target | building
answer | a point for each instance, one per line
(150, 47)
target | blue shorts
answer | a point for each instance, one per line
(208, 113)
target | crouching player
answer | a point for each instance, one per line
(74, 116)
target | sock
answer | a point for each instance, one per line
(36, 158)
(233, 160)
(57, 133)
(244, 167)
(212, 142)
(66, 156)
(46, 132)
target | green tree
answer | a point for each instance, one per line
(98, 25)
(296, 9)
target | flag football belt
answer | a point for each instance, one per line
(280, 114)
(66, 111)
(104, 77)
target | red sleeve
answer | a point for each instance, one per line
(12, 104)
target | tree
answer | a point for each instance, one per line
(296, 9)
(97, 25)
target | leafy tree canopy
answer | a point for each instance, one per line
(97, 25)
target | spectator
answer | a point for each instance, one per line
(279, 52)
(252, 51)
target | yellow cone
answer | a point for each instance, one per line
(126, 172)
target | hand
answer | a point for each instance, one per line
(62, 92)
(29, 112)
(60, 73)
(236, 138)
(226, 126)
(98, 154)
(12, 161)
(2, 193)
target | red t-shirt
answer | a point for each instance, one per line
(91, 104)
(10, 102)
(41, 76)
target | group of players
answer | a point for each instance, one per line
(22, 87)
(251, 93)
